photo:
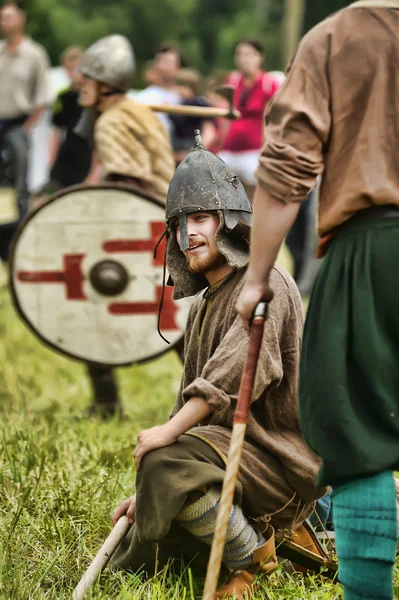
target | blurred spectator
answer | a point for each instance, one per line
(24, 66)
(70, 156)
(278, 75)
(166, 64)
(151, 76)
(70, 60)
(218, 101)
(253, 90)
(212, 82)
(188, 84)
(169, 59)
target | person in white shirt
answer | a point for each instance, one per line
(24, 66)
(167, 63)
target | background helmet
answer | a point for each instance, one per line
(110, 60)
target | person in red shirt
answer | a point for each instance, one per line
(253, 90)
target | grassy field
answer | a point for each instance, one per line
(61, 475)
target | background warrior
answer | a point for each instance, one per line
(131, 146)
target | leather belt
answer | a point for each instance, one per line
(374, 213)
(386, 211)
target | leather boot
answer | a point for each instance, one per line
(245, 583)
(305, 537)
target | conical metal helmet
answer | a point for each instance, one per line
(203, 182)
(110, 60)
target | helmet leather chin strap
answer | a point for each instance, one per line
(102, 95)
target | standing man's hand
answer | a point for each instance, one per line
(249, 298)
(128, 508)
(150, 439)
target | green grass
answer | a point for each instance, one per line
(61, 476)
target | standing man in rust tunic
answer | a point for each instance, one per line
(181, 464)
(338, 114)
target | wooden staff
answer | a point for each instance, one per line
(235, 450)
(102, 558)
(206, 112)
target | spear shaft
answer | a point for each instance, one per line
(235, 450)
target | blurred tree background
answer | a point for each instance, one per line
(206, 30)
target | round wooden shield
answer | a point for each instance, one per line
(85, 280)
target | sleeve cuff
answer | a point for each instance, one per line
(218, 400)
(280, 190)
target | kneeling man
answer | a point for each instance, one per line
(181, 465)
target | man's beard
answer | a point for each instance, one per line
(201, 266)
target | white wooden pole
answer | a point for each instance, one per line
(102, 558)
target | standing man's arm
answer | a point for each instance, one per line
(297, 131)
(272, 220)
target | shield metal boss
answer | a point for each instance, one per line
(84, 278)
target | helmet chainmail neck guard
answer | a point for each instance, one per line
(204, 183)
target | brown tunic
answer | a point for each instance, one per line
(338, 110)
(131, 142)
(276, 462)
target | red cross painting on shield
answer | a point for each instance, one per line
(84, 279)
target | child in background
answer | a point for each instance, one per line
(216, 100)
(189, 86)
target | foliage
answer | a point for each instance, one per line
(317, 11)
(206, 30)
